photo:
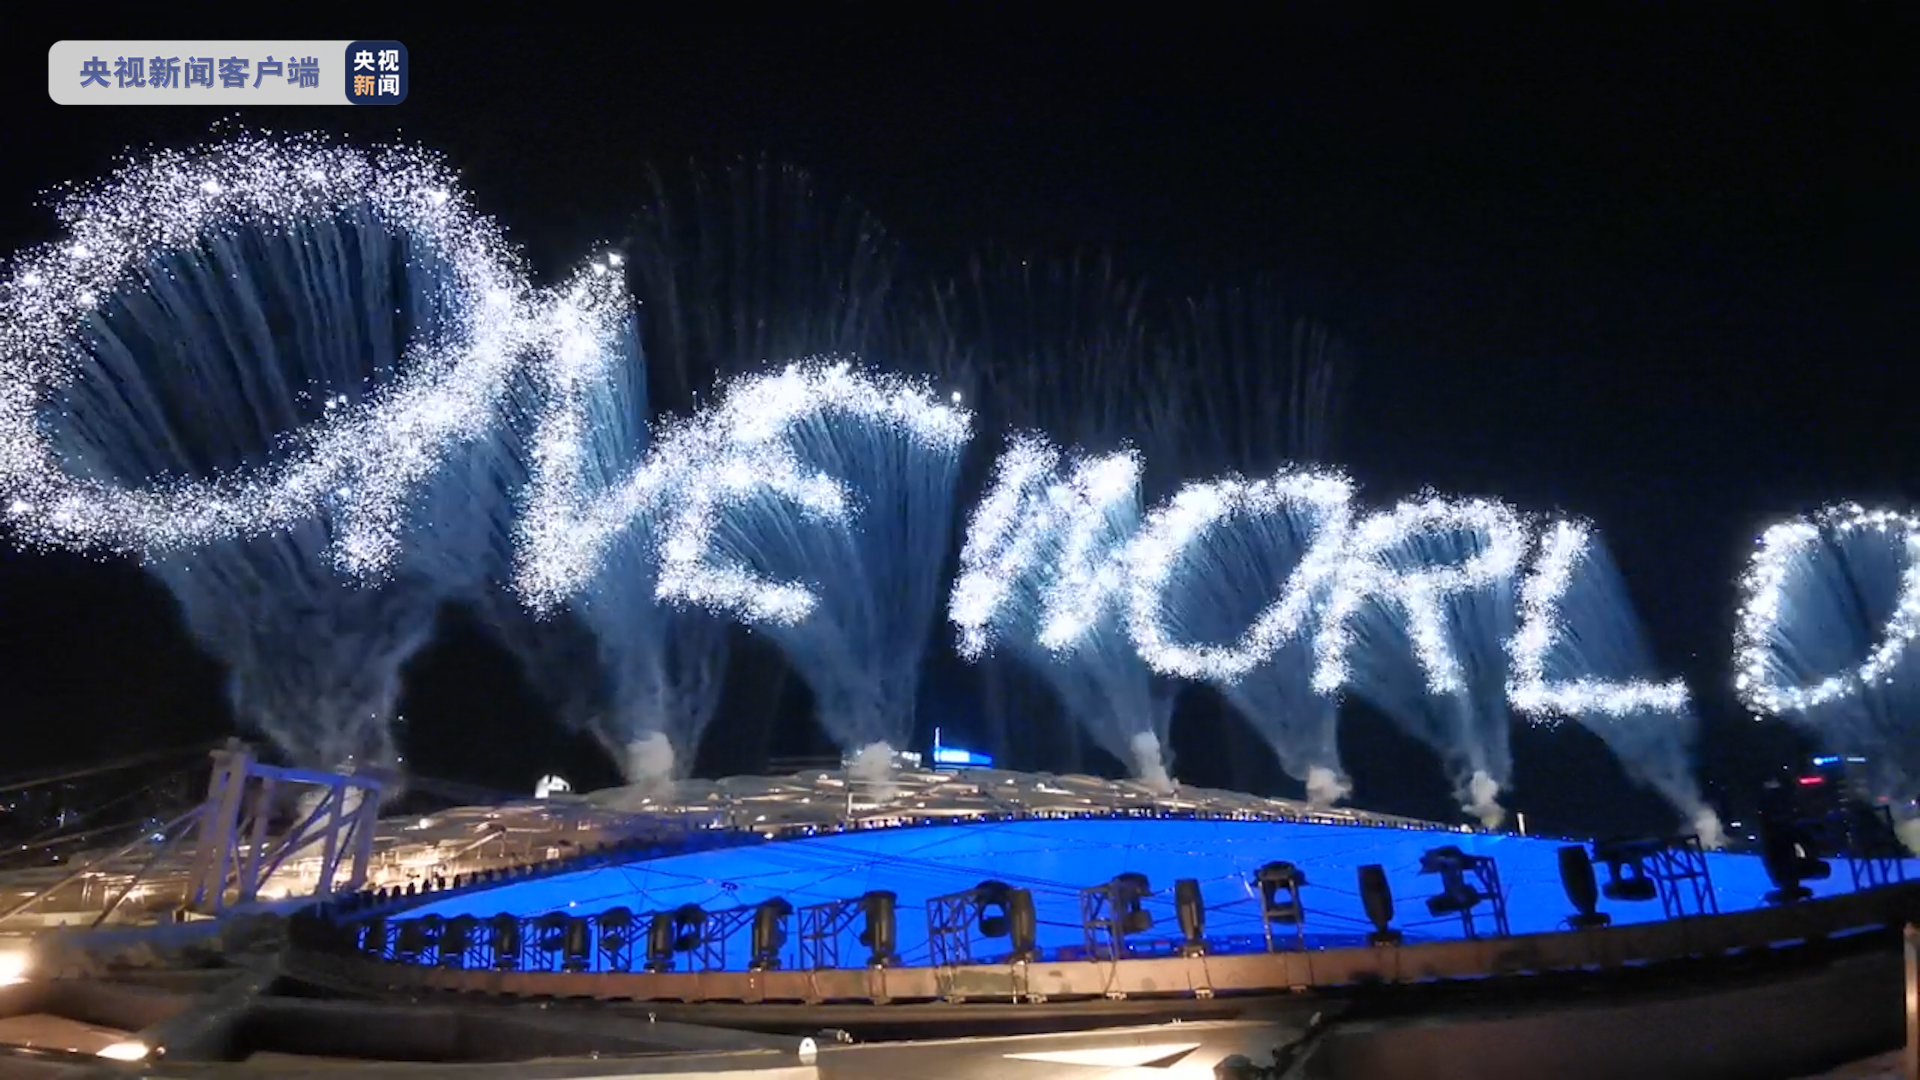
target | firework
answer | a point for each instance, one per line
(594, 503)
(1228, 580)
(1270, 395)
(1043, 568)
(239, 362)
(746, 268)
(1064, 346)
(821, 510)
(159, 234)
(1580, 653)
(1826, 636)
(1417, 624)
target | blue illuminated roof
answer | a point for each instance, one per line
(1056, 858)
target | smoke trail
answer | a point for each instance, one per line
(473, 505)
(1044, 569)
(666, 664)
(561, 659)
(871, 768)
(819, 508)
(1418, 625)
(1826, 639)
(748, 266)
(1273, 385)
(1062, 346)
(197, 370)
(1228, 583)
(1580, 652)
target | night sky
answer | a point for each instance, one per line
(1655, 268)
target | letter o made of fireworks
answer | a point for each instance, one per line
(1156, 555)
(1766, 586)
(364, 461)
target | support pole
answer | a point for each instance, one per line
(366, 821)
(219, 828)
(332, 806)
(262, 802)
(1912, 1053)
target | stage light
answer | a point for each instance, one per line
(955, 756)
(676, 931)
(991, 896)
(550, 934)
(1279, 884)
(769, 934)
(1004, 911)
(373, 937)
(1280, 877)
(1457, 896)
(418, 938)
(1129, 892)
(504, 932)
(616, 938)
(1191, 909)
(1376, 895)
(456, 940)
(1576, 877)
(880, 933)
(1628, 881)
(576, 946)
(1786, 852)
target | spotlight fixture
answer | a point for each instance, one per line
(616, 937)
(576, 945)
(1006, 912)
(1129, 892)
(457, 939)
(1576, 878)
(769, 934)
(415, 939)
(373, 937)
(1628, 879)
(550, 940)
(671, 932)
(880, 934)
(1787, 853)
(1459, 896)
(1279, 884)
(1191, 910)
(1376, 896)
(1456, 896)
(504, 935)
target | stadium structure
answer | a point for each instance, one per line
(955, 922)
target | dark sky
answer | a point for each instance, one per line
(1655, 268)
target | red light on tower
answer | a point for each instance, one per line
(1812, 781)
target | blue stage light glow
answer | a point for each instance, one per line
(953, 755)
(1057, 858)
